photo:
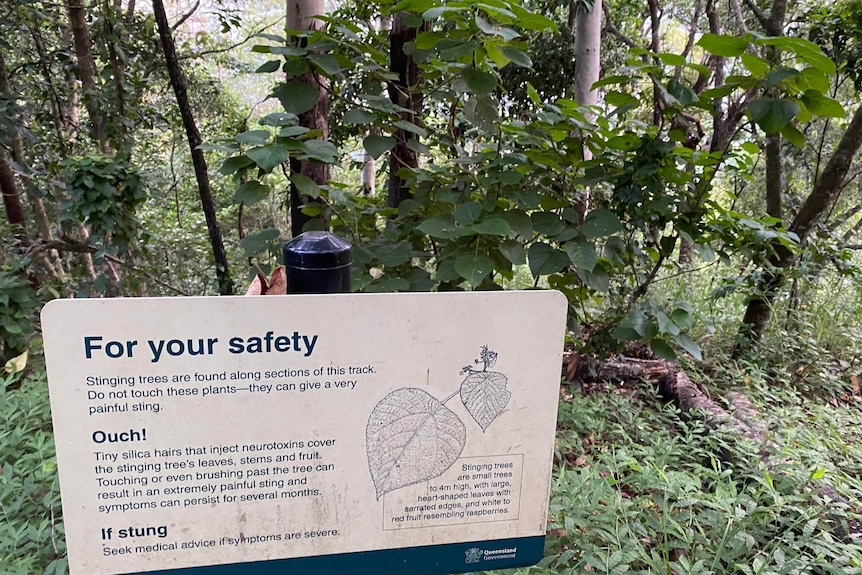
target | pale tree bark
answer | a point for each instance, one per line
(301, 17)
(193, 135)
(407, 93)
(588, 41)
(87, 70)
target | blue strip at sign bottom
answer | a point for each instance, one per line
(428, 560)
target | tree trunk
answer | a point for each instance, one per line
(774, 170)
(825, 192)
(404, 92)
(11, 197)
(193, 135)
(87, 70)
(367, 177)
(301, 16)
(774, 176)
(588, 40)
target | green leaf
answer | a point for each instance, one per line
(517, 56)
(793, 135)
(662, 349)
(388, 285)
(620, 99)
(305, 185)
(394, 255)
(721, 45)
(756, 65)
(359, 116)
(279, 119)
(428, 40)
(254, 137)
(632, 327)
(772, 114)
(682, 318)
(292, 132)
(268, 67)
(582, 255)
(297, 97)
(688, 345)
(235, 164)
(250, 192)
(474, 268)
(286, 50)
(410, 127)
(419, 280)
(295, 67)
(478, 82)
(493, 227)
(777, 76)
(814, 56)
(268, 157)
(258, 242)
(547, 223)
(822, 105)
(326, 62)
(482, 113)
(520, 223)
(816, 79)
(671, 59)
(513, 251)
(441, 226)
(320, 150)
(600, 224)
(376, 145)
(545, 259)
(467, 213)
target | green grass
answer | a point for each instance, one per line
(637, 487)
(31, 529)
(640, 489)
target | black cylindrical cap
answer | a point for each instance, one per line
(317, 262)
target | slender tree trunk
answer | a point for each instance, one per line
(405, 92)
(774, 176)
(588, 41)
(774, 169)
(367, 182)
(301, 16)
(87, 69)
(11, 197)
(825, 192)
(51, 260)
(113, 32)
(193, 135)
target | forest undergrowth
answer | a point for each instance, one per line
(638, 486)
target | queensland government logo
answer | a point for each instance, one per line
(473, 555)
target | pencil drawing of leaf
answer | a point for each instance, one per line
(484, 394)
(411, 437)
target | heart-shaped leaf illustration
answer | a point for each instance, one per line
(484, 394)
(411, 437)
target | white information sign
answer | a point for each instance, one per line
(319, 432)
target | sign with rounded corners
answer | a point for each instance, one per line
(324, 433)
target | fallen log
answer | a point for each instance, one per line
(743, 420)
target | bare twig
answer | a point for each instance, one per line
(609, 26)
(70, 245)
(186, 16)
(758, 13)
